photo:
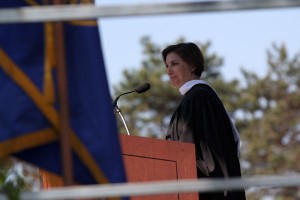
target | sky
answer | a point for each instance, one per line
(242, 38)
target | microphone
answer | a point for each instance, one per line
(140, 89)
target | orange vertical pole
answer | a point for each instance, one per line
(65, 144)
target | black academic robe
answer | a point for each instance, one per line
(202, 119)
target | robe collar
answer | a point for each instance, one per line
(188, 85)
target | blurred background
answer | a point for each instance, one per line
(252, 60)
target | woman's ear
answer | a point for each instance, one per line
(193, 70)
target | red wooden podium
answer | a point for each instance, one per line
(149, 159)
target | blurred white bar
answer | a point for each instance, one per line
(72, 12)
(161, 187)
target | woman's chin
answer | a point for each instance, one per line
(176, 85)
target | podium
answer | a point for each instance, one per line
(149, 159)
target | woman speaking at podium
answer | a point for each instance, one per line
(201, 118)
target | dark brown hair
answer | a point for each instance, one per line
(189, 52)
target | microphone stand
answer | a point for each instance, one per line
(118, 110)
(140, 89)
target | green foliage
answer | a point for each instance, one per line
(11, 182)
(273, 107)
(270, 125)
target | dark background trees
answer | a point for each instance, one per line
(266, 109)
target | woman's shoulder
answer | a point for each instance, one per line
(201, 93)
(200, 90)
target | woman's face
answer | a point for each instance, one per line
(178, 70)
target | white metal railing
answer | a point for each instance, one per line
(161, 187)
(71, 12)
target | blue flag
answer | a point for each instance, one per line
(29, 119)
